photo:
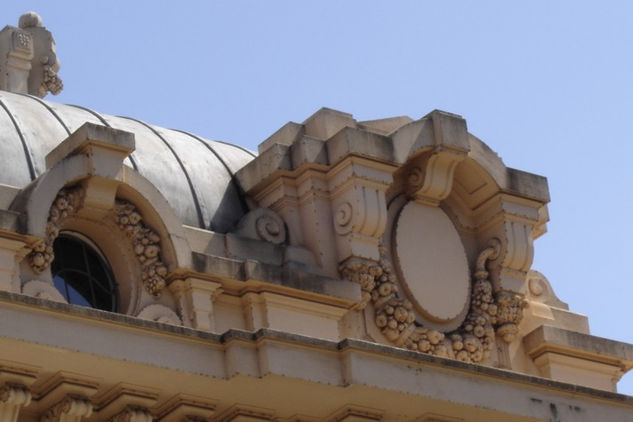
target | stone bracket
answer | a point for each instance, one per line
(126, 402)
(357, 188)
(13, 397)
(184, 407)
(14, 390)
(430, 180)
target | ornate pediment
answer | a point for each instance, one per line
(421, 214)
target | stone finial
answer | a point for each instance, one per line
(28, 58)
(30, 20)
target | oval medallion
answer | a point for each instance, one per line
(432, 261)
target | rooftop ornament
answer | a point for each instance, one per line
(29, 62)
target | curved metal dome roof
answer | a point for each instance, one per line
(196, 175)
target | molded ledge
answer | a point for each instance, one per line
(551, 339)
(415, 369)
(281, 276)
(528, 185)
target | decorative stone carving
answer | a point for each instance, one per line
(359, 207)
(395, 318)
(262, 224)
(22, 41)
(509, 315)
(52, 82)
(65, 204)
(46, 55)
(71, 409)
(145, 241)
(13, 397)
(133, 414)
(42, 290)
(159, 313)
(146, 244)
(540, 290)
(432, 179)
(364, 273)
(343, 218)
(29, 61)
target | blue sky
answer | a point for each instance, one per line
(547, 85)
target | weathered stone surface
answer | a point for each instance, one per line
(90, 136)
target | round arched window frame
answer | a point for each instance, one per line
(82, 273)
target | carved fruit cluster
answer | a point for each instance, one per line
(52, 82)
(146, 244)
(394, 316)
(66, 203)
(509, 315)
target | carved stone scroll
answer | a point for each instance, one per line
(431, 180)
(359, 208)
(394, 316)
(146, 244)
(262, 224)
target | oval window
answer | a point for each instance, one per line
(82, 274)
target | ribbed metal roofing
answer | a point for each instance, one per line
(196, 175)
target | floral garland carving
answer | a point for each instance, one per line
(146, 244)
(66, 203)
(394, 316)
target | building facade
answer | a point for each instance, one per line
(348, 271)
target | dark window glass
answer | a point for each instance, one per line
(82, 274)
